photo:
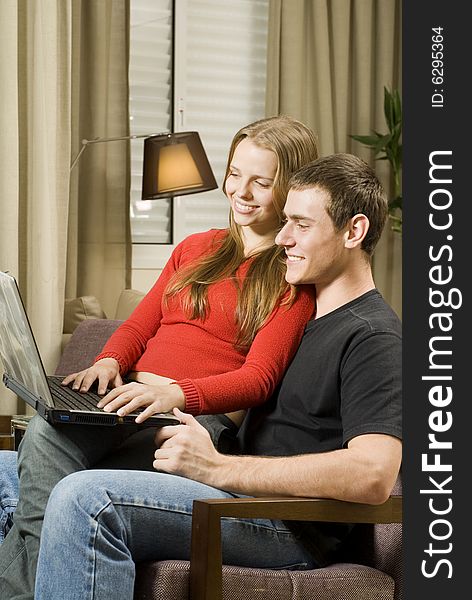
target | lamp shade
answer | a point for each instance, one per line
(175, 164)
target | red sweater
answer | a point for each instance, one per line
(200, 354)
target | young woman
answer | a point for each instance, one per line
(220, 324)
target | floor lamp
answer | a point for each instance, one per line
(174, 164)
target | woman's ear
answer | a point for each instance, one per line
(357, 230)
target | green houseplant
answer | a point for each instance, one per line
(389, 147)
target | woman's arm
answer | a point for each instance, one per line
(269, 356)
(128, 342)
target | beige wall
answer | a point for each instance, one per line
(144, 279)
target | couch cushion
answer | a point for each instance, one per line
(127, 302)
(86, 342)
(170, 580)
(77, 310)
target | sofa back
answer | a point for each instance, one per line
(86, 342)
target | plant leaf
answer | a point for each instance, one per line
(389, 111)
(389, 147)
(397, 107)
(377, 142)
(383, 142)
(396, 203)
(368, 140)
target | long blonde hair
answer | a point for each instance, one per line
(295, 145)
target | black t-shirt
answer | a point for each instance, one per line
(344, 381)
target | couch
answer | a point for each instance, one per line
(370, 567)
(86, 308)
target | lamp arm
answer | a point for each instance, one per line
(99, 140)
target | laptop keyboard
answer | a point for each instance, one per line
(72, 399)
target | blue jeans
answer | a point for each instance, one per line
(99, 523)
(109, 509)
(8, 490)
(46, 455)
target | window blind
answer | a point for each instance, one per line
(223, 89)
(150, 106)
(219, 86)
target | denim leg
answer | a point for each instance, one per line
(98, 524)
(8, 490)
(46, 455)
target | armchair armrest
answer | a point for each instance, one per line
(205, 562)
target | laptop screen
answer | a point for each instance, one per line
(18, 352)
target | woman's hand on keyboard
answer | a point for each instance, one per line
(152, 398)
(106, 371)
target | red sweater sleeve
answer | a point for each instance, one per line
(267, 360)
(129, 341)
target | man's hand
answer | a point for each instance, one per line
(128, 398)
(187, 450)
(106, 371)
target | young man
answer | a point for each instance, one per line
(332, 430)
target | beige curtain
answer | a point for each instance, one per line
(99, 241)
(328, 62)
(48, 101)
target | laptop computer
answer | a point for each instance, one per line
(24, 373)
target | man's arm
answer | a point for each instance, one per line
(365, 471)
